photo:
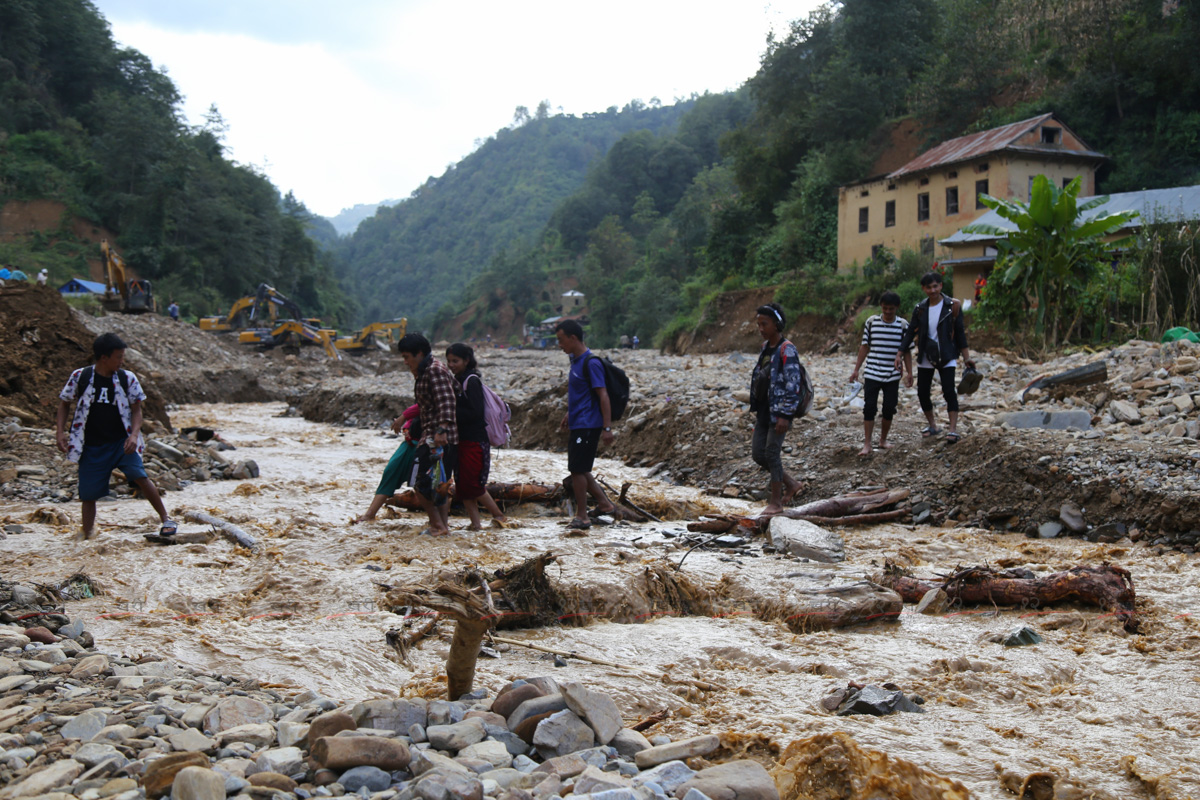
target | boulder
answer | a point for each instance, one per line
(512, 696)
(235, 711)
(284, 760)
(803, 539)
(448, 786)
(292, 733)
(595, 708)
(329, 724)
(198, 783)
(935, 601)
(493, 752)
(160, 773)
(561, 733)
(85, 726)
(669, 776)
(524, 719)
(677, 751)
(593, 780)
(733, 780)
(629, 743)
(256, 734)
(393, 715)
(373, 779)
(346, 752)
(458, 735)
(1047, 420)
(1124, 411)
(191, 739)
(94, 753)
(90, 667)
(272, 780)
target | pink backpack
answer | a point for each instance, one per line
(496, 414)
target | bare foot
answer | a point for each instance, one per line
(790, 494)
(499, 522)
(866, 451)
(363, 518)
(771, 510)
(474, 527)
(884, 445)
(87, 534)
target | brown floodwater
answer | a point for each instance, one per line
(1090, 701)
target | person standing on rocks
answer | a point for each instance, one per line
(588, 420)
(880, 346)
(775, 387)
(474, 449)
(436, 394)
(941, 338)
(105, 433)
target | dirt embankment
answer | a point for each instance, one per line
(41, 342)
(727, 324)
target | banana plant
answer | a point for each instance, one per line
(1055, 248)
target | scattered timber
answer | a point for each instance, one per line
(1107, 586)
(1096, 372)
(227, 529)
(855, 508)
(503, 493)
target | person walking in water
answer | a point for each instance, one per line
(588, 420)
(105, 433)
(435, 391)
(775, 387)
(474, 449)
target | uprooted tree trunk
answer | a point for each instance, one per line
(856, 508)
(508, 493)
(469, 598)
(1107, 586)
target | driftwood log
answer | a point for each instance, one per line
(505, 493)
(470, 600)
(1096, 372)
(1107, 586)
(227, 529)
(856, 508)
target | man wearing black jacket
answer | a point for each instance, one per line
(937, 328)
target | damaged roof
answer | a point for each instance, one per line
(980, 144)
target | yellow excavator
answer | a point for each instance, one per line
(290, 334)
(377, 335)
(237, 318)
(121, 293)
(254, 310)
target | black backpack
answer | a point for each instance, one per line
(85, 378)
(616, 383)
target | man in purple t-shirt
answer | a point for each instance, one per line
(588, 418)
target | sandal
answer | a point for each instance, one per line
(579, 524)
(930, 431)
(952, 437)
(168, 528)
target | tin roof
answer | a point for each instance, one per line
(75, 284)
(980, 144)
(1178, 204)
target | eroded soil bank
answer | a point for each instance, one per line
(1113, 714)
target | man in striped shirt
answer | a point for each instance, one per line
(880, 344)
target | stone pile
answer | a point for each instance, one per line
(78, 725)
(33, 469)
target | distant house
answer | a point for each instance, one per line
(975, 253)
(77, 287)
(542, 335)
(573, 302)
(937, 193)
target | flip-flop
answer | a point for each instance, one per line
(930, 431)
(952, 437)
(579, 524)
(168, 528)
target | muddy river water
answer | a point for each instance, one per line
(1118, 713)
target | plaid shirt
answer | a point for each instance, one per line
(436, 393)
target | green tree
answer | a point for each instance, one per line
(1052, 255)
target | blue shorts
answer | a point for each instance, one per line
(96, 464)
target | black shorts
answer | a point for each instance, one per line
(426, 486)
(581, 450)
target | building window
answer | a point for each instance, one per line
(891, 187)
(862, 220)
(1030, 190)
(952, 200)
(875, 250)
(923, 207)
(1051, 135)
(889, 214)
(1066, 182)
(952, 174)
(923, 182)
(927, 245)
(982, 167)
(981, 188)
(864, 193)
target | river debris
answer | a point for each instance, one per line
(1107, 586)
(227, 529)
(1065, 383)
(854, 508)
(878, 701)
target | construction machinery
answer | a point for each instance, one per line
(121, 293)
(290, 334)
(264, 308)
(377, 335)
(237, 318)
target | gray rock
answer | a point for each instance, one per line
(425, 760)
(494, 753)
(593, 780)
(877, 701)
(595, 708)
(1124, 411)
(678, 751)
(806, 540)
(449, 786)
(373, 778)
(532, 709)
(935, 601)
(670, 776)
(696, 794)
(256, 734)
(1072, 517)
(1049, 530)
(198, 783)
(60, 773)
(284, 760)
(191, 739)
(291, 733)
(234, 711)
(444, 712)
(1021, 637)
(234, 784)
(14, 682)
(561, 733)
(94, 753)
(618, 794)
(733, 780)
(629, 743)
(416, 733)
(85, 726)
(393, 715)
(457, 736)
(1047, 420)
(1108, 533)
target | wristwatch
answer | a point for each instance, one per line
(608, 429)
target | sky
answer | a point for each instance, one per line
(360, 101)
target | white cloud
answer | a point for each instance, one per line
(341, 122)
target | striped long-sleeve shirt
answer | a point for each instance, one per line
(436, 393)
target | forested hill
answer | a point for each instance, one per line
(410, 259)
(98, 129)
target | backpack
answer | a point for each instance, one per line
(616, 383)
(806, 387)
(496, 414)
(85, 378)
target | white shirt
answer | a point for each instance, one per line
(935, 314)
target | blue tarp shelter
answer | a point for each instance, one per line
(78, 286)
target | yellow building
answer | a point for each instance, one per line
(937, 193)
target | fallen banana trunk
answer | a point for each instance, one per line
(227, 529)
(507, 493)
(856, 508)
(1107, 586)
(467, 597)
